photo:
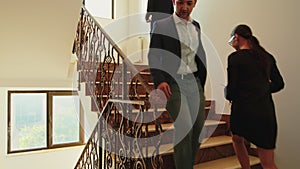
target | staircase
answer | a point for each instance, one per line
(120, 94)
(216, 150)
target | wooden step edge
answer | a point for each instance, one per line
(206, 143)
(169, 126)
(165, 126)
(216, 141)
(225, 163)
(121, 83)
(164, 109)
(152, 110)
(214, 122)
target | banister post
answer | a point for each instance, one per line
(124, 80)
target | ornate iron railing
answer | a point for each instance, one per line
(111, 80)
(114, 141)
(101, 63)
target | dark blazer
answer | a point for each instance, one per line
(155, 7)
(165, 53)
(247, 81)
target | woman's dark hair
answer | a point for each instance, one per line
(245, 32)
(242, 30)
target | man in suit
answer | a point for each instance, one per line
(158, 9)
(177, 62)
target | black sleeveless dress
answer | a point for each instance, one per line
(250, 91)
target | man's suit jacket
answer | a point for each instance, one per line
(165, 53)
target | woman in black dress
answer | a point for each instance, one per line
(252, 77)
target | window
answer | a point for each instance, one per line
(101, 8)
(43, 119)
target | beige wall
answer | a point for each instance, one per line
(35, 49)
(36, 41)
(276, 25)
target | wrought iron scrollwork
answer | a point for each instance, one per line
(118, 140)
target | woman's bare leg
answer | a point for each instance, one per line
(241, 151)
(266, 157)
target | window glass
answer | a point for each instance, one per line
(28, 121)
(66, 124)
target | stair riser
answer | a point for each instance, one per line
(213, 153)
(257, 166)
(212, 131)
(167, 137)
(203, 155)
(164, 116)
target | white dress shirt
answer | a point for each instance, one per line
(188, 37)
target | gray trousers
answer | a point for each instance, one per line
(187, 108)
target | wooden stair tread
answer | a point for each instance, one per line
(213, 122)
(225, 163)
(169, 126)
(216, 141)
(165, 126)
(206, 143)
(151, 109)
